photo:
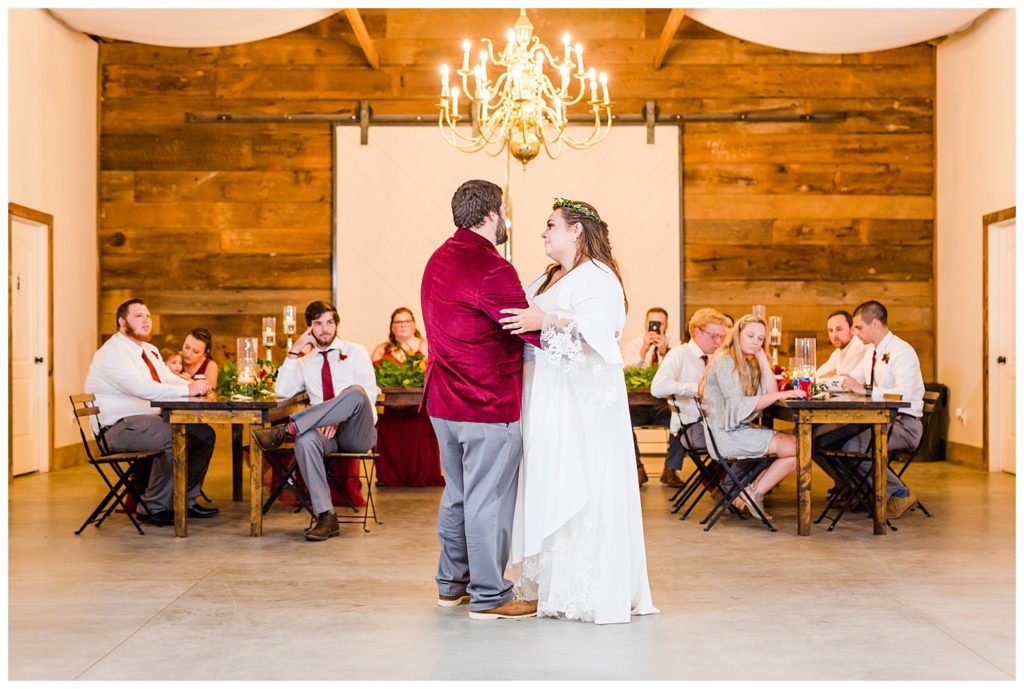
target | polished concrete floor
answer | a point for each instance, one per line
(934, 600)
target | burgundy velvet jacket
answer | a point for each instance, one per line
(475, 369)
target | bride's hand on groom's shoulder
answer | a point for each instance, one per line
(523, 320)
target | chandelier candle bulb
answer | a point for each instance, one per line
(483, 65)
(455, 102)
(565, 42)
(444, 81)
(564, 69)
(593, 86)
(465, 55)
(579, 59)
(604, 87)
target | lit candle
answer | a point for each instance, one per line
(593, 86)
(444, 81)
(565, 42)
(465, 55)
(455, 102)
(604, 87)
(579, 59)
(565, 78)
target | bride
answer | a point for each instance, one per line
(577, 539)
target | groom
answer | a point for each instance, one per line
(473, 393)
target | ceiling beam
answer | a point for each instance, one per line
(363, 36)
(675, 17)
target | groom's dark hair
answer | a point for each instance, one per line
(473, 201)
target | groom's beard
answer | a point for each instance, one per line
(500, 232)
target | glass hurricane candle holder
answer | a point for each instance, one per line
(289, 323)
(247, 349)
(775, 337)
(806, 350)
(269, 334)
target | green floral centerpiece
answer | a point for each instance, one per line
(408, 374)
(639, 378)
(228, 385)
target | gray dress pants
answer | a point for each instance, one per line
(351, 412)
(150, 432)
(474, 522)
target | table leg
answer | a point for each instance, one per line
(237, 430)
(879, 467)
(255, 489)
(179, 450)
(803, 478)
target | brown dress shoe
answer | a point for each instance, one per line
(326, 527)
(641, 474)
(669, 478)
(515, 609)
(271, 438)
(452, 601)
(897, 507)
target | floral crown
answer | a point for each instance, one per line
(577, 207)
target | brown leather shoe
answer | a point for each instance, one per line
(515, 609)
(669, 478)
(271, 438)
(641, 474)
(897, 507)
(452, 601)
(326, 527)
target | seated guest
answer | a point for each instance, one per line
(127, 373)
(849, 349)
(404, 339)
(677, 379)
(173, 360)
(653, 345)
(891, 367)
(737, 384)
(338, 377)
(195, 357)
(641, 352)
(407, 450)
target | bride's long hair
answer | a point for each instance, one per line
(594, 245)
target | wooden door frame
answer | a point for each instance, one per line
(986, 221)
(32, 215)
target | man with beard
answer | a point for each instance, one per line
(125, 375)
(338, 377)
(473, 393)
(849, 349)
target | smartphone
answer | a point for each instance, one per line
(654, 326)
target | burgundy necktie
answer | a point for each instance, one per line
(873, 353)
(654, 358)
(325, 377)
(704, 358)
(152, 368)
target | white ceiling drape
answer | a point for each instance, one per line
(837, 30)
(190, 28)
(805, 30)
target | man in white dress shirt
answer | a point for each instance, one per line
(338, 377)
(678, 378)
(653, 345)
(890, 368)
(849, 351)
(125, 375)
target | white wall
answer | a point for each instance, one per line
(394, 209)
(974, 176)
(52, 148)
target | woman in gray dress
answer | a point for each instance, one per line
(737, 384)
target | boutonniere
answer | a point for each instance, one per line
(342, 357)
(885, 358)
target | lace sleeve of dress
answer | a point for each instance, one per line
(560, 341)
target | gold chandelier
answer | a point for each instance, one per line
(522, 109)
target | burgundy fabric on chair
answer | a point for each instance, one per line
(407, 449)
(272, 477)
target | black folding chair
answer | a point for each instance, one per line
(701, 479)
(365, 470)
(124, 467)
(283, 463)
(738, 474)
(904, 458)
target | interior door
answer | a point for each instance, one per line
(1002, 364)
(29, 366)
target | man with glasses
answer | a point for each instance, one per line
(678, 378)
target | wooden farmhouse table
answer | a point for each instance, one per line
(842, 408)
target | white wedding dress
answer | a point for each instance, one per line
(578, 538)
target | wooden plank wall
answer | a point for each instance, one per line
(220, 224)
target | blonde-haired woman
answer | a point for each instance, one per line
(737, 384)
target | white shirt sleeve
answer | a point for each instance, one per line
(831, 364)
(362, 375)
(289, 378)
(668, 381)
